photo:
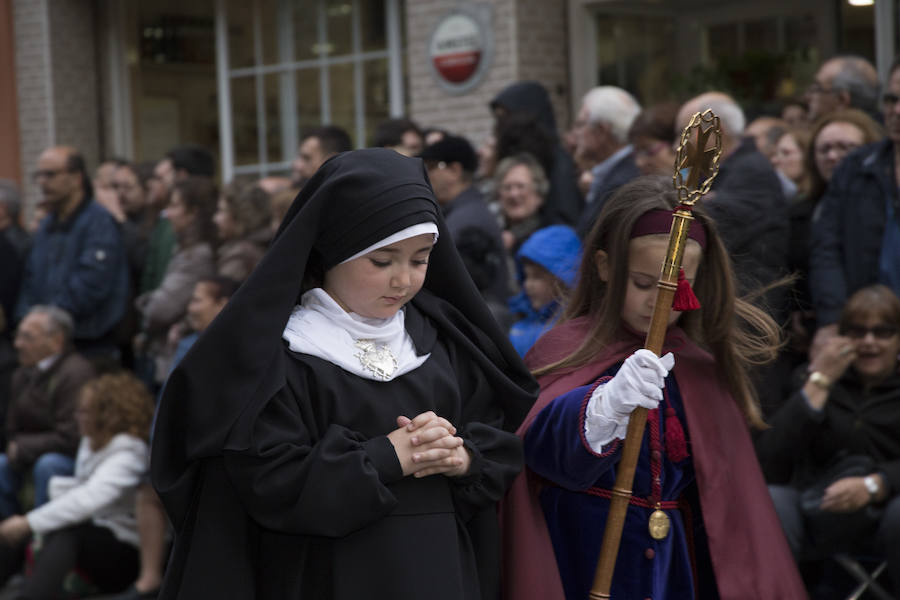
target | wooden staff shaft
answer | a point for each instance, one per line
(634, 436)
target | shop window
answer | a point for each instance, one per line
(294, 64)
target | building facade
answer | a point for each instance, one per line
(132, 78)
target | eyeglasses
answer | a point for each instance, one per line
(516, 187)
(649, 151)
(817, 88)
(881, 332)
(47, 173)
(840, 147)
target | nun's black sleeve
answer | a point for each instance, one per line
(293, 483)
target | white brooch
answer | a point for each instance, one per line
(378, 360)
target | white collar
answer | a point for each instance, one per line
(45, 363)
(378, 349)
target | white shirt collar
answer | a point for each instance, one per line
(378, 349)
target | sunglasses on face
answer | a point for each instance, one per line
(881, 332)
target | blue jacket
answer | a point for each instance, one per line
(78, 265)
(848, 228)
(557, 249)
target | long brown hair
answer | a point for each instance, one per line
(737, 333)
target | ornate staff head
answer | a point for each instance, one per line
(696, 158)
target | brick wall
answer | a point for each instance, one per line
(56, 76)
(543, 50)
(529, 43)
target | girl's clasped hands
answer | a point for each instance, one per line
(427, 445)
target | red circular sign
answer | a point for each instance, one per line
(457, 48)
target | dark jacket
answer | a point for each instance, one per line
(848, 228)
(751, 214)
(10, 275)
(80, 266)
(477, 238)
(41, 416)
(564, 203)
(623, 171)
(802, 443)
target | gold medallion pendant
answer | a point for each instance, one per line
(658, 525)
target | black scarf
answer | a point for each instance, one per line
(354, 200)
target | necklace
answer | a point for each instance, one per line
(378, 360)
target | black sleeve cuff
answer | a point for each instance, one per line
(382, 454)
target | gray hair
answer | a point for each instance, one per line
(538, 176)
(58, 320)
(11, 199)
(852, 78)
(613, 106)
(730, 114)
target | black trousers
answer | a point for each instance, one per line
(109, 563)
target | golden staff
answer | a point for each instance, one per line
(702, 165)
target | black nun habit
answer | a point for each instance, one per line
(274, 466)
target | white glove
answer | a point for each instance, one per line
(638, 383)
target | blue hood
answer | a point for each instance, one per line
(557, 248)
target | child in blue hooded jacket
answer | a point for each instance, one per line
(546, 266)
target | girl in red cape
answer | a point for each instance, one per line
(722, 538)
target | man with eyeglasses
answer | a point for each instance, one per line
(602, 148)
(856, 228)
(77, 261)
(843, 82)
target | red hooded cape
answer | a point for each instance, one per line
(750, 554)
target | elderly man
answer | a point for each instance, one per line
(601, 133)
(41, 431)
(751, 214)
(746, 201)
(843, 82)
(77, 259)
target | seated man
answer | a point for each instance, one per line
(41, 431)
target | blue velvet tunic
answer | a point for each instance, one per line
(676, 567)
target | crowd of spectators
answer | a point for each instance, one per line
(121, 271)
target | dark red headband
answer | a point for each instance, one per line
(660, 221)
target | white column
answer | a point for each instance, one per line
(223, 88)
(395, 60)
(885, 28)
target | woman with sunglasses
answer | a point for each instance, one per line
(833, 448)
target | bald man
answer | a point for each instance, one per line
(746, 200)
(77, 260)
(843, 82)
(750, 211)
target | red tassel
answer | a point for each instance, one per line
(684, 296)
(676, 445)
